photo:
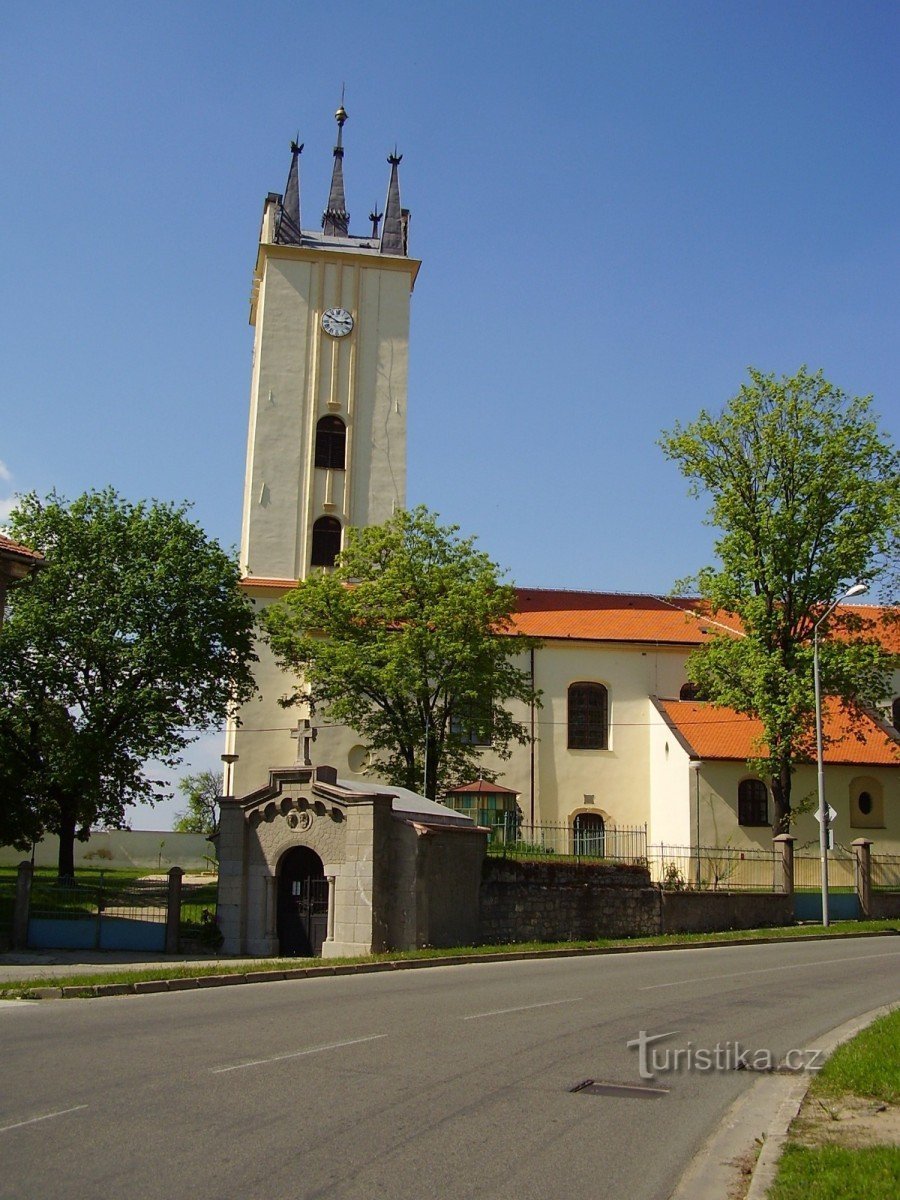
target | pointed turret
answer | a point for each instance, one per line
(375, 217)
(393, 233)
(288, 227)
(336, 219)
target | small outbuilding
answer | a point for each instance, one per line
(310, 864)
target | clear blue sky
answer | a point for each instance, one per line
(619, 207)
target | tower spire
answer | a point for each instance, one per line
(393, 233)
(288, 227)
(336, 219)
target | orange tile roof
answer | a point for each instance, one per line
(8, 546)
(615, 617)
(482, 787)
(552, 614)
(722, 733)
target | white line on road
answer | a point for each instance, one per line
(500, 1012)
(820, 962)
(261, 1062)
(46, 1117)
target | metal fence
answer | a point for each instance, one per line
(7, 905)
(621, 843)
(841, 871)
(886, 872)
(101, 914)
(714, 868)
(197, 920)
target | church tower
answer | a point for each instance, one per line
(326, 447)
(327, 440)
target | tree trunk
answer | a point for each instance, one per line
(66, 831)
(781, 795)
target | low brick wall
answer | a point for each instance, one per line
(556, 902)
(709, 912)
(884, 906)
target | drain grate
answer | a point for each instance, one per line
(632, 1091)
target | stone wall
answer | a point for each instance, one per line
(118, 848)
(551, 902)
(708, 912)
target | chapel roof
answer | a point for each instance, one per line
(710, 732)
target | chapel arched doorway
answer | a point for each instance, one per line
(302, 902)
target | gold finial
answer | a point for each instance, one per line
(341, 115)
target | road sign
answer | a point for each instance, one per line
(832, 815)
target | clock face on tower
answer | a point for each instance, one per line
(337, 321)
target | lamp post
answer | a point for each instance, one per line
(228, 761)
(856, 590)
(696, 767)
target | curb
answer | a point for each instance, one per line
(143, 987)
(761, 1116)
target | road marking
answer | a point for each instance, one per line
(261, 1062)
(819, 962)
(7, 1004)
(46, 1117)
(500, 1012)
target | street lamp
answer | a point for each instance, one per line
(228, 781)
(856, 590)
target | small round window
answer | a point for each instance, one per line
(864, 803)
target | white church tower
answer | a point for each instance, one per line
(326, 447)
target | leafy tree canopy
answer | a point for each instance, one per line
(132, 638)
(408, 641)
(804, 488)
(202, 791)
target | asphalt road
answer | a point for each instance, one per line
(451, 1082)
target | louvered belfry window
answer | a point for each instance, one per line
(331, 443)
(326, 541)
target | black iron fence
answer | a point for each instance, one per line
(886, 872)
(715, 868)
(841, 871)
(511, 838)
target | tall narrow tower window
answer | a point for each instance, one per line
(326, 542)
(331, 443)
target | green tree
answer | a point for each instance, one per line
(804, 488)
(409, 641)
(202, 792)
(132, 638)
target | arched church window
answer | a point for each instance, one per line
(753, 802)
(331, 443)
(588, 716)
(689, 691)
(326, 541)
(895, 714)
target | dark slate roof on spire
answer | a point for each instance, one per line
(336, 219)
(393, 233)
(287, 231)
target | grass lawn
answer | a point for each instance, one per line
(845, 1143)
(233, 966)
(836, 1173)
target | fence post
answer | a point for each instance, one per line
(173, 910)
(862, 852)
(785, 843)
(22, 906)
